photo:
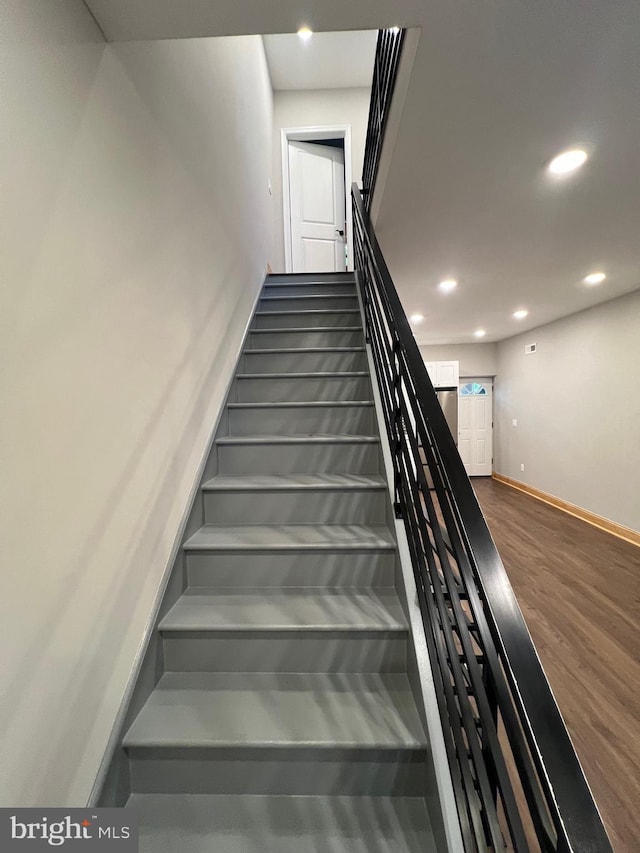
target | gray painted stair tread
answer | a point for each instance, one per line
(288, 329)
(292, 536)
(310, 296)
(307, 404)
(335, 374)
(345, 292)
(201, 823)
(338, 287)
(306, 277)
(291, 609)
(298, 439)
(273, 482)
(273, 351)
(332, 710)
(307, 311)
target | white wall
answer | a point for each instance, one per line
(315, 108)
(136, 229)
(475, 359)
(577, 403)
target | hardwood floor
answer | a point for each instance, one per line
(579, 591)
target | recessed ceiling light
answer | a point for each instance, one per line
(567, 161)
(479, 333)
(594, 278)
(448, 284)
(416, 318)
(395, 30)
(305, 33)
(520, 314)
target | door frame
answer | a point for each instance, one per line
(309, 134)
(483, 380)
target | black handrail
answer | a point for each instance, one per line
(385, 70)
(515, 773)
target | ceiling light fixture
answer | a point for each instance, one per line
(568, 161)
(448, 284)
(395, 30)
(305, 33)
(416, 318)
(479, 333)
(520, 314)
(594, 278)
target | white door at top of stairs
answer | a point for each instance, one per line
(317, 204)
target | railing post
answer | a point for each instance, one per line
(367, 312)
(367, 336)
(361, 277)
(397, 429)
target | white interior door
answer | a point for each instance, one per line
(475, 426)
(317, 204)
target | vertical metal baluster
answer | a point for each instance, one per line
(367, 313)
(486, 751)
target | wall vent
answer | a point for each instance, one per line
(529, 348)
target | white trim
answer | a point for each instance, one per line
(308, 134)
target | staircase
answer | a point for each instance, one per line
(284, 719)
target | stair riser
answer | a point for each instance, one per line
(289, 389)
(310, 290)
(306, 338)
(302, 362)
(323, 278)
(298, 459)
(305, 303)
(274, 569)
(281, 824)
(298, 506)
(305, 319)
(279, 771)
(293, 651)
(314, 420)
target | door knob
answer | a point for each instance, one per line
(338, 231)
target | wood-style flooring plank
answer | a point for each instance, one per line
(579, 590)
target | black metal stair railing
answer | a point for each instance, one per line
(385, 70)
(517, 781)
